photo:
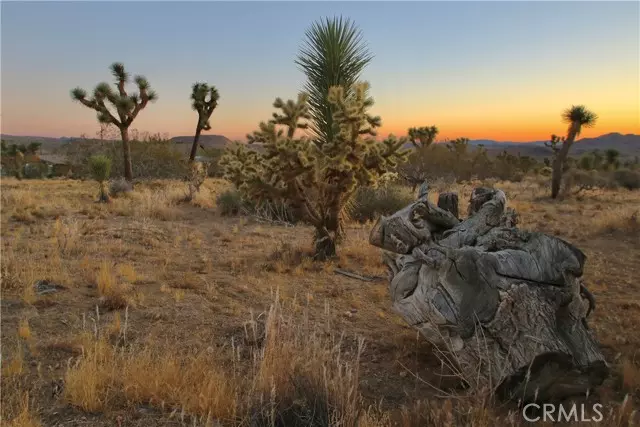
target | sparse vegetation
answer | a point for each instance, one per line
(170, 328)
(208, 309)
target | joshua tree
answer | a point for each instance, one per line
(19, 163)
(33, 147)
(100, 166)
(204, 107)
(315, 177)
(127, 106)
(612, 155)
(458, 146)
(577, 117)
(597, 159)
(586, 162)
(423, 137)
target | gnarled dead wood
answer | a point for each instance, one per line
(449, 202)
(508, 304)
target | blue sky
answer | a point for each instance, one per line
(502, 70)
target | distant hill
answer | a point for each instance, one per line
(628, 145)
(207, 141)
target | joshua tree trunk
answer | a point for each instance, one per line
(194, 147)
(126, 151)
(325, 244)
(559, 161)
(104, 196)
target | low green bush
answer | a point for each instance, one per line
(232, 203)
(369, 203)
(627, 178)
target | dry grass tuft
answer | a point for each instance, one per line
(15, 366)
(288, 257)
(128, 273)
(630, 377)
(24, 418)
(89, 382)
(106, 280)
(621, 220)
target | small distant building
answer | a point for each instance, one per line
(58, 165)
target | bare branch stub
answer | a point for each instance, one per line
(508, 304)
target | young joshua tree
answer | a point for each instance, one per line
(577, 117)
(126, 106)
(100, 166)
(204, 107)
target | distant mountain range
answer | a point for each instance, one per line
(628, 145)
(183, 143)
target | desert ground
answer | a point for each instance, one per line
(148, 311)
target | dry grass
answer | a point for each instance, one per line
(289, 366)
(167, 313)
(24, 417)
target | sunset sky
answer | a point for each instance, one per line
(482, 70)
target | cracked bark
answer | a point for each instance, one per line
(508, 304)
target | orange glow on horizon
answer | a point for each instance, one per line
(74, 120)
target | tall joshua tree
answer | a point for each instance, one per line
(317, 174)
(577, 117)
(127, 106)
(204, 107)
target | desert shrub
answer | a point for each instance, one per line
(35, 170)
(464, 163)
(577, 180)
(369, 203)
(230, 203)
(546, 171)
(629, 179)
(119, 186)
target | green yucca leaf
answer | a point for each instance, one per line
(100, 166)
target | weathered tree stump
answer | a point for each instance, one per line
(507, 304)
(449, 202)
